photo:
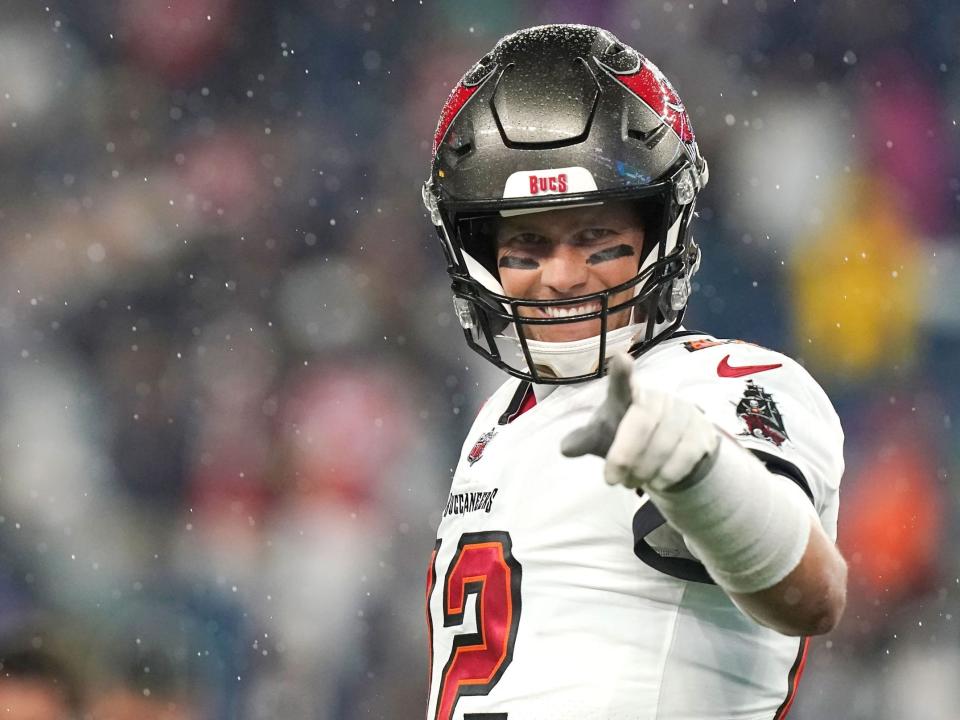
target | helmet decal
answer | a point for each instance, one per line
(527, 183)
(652, 86)
(455, 101)
(458, 97)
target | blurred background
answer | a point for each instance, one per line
(232, 388)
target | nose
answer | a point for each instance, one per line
(565, 272)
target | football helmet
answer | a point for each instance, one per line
(558, 116)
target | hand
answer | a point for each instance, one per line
(650, 439)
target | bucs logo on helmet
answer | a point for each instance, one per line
(478, 447)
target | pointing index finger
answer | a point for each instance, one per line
(620, 391)
(597, 435)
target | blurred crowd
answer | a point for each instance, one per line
(232, 387)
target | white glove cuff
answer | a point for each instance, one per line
(746, 525)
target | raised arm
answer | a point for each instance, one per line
(756, 532)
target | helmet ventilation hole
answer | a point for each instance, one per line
(651, 138)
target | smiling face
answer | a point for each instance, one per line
(566, 253)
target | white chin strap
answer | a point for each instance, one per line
(573, 357)
(579, 357)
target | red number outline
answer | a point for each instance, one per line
(498, 617)
(431, 582)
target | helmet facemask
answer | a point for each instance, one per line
(502, 328)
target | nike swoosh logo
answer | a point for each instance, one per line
(725, 369)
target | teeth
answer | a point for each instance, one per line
(558, 312)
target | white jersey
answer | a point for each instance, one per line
(553, 596)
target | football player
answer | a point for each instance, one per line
(642, 521)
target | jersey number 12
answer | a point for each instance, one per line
(484, 567)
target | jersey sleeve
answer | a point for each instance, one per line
(774, 408)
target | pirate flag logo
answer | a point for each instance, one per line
(760, 414)
(479, 445)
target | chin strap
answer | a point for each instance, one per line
(579, 357)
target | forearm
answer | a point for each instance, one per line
(810, 599)
(760, 540)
